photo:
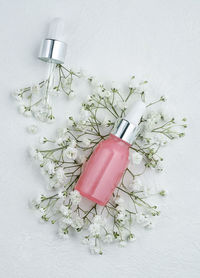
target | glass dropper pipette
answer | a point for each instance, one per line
(53, 52)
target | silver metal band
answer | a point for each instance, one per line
(126, 131)
(53, 51)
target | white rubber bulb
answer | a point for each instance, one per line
(136, 112)
(56, 29)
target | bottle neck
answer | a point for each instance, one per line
(126, 131)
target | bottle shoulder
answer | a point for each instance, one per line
(114, 143)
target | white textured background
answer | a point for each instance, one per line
(156, 40)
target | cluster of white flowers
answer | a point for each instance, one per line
(78, 222)
(60, 176)
(35, 154)
(62, 137)
(86, 141)
(84, 114)
(18, 95)
(144, 220)
(62, 157)
(150, 123)
(29, 98)
(95, 233)
(81, 158)
(70, 153)
(24, 110)
(49, 167)
(69, 219)
(65, 210)
(135, 157)
(135, 185)
(75, 197)
(121, 211)
(121, 104)
(152, 119)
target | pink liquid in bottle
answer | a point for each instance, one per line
(109, 160)
(104, 170)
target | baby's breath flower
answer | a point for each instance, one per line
(81, 125)
(53, 183)
(105, 121)
(94, 229)
(75, 197)
(32, 129)
(35, 89)
(18, 95)
(122, 243)
(85, 240)
(159, 167)
(84, 114)
(66, 221)
(43, 140)
(143, 220)
(131, 237)
(71, 153)
(86, 141)
(72, 95)
(106, 93)
(108, 238)
(27, 112)
(35, 154)
(65, 210)
(61, 195)
(60, 175)
(98, 219)
(50, 167)
(35, 203)
(59, 141)
(119, 201)
(115, 86)
(140, 218)
(81, 158)
(72, 143)
(95, 246)
(136, 185)
(21, 109)
(78, 223)
(149, 225)
(163, 192)
(160, 139)
(136, 157)
(63, 234)
(121, 104)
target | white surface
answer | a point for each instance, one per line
(155, 40)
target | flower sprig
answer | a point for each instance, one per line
(31, 99)
(62, 159)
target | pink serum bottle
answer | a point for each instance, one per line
(105, 167)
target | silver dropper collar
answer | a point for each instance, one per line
(53, 49)
(126, 131)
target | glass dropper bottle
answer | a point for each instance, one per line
(53, 51)
(108, 162)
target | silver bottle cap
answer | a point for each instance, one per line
(53, 48)
(127, 129)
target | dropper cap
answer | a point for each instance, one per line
(53, 48)
(127, 128)
(136, 112)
